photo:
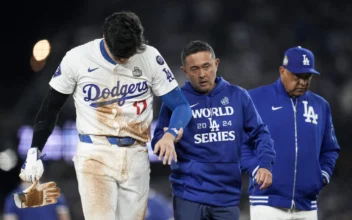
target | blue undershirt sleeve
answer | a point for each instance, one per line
(181, 111)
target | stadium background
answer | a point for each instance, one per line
(249, 37)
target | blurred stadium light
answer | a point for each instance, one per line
(8, 160)
(41, 51)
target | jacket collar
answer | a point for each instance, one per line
(280, 88)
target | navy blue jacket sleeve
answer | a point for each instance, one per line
(258, 142)
(330, 148)
(249, 161)
(163, 121)
(181, 111)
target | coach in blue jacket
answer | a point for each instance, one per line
(306, 147)
(206, 180)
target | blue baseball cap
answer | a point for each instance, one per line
(299, 60)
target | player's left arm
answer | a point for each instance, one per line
(180, 116)
(259, 138)
(180, 108)
(330, 148)
(165, 86)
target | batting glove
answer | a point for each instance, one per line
(32, 169)
(37, 195)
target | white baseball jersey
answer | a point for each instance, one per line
(113, 99)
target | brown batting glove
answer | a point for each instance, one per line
(37, 195)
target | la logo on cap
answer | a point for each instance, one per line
(305, 60)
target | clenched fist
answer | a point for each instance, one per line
(32, 169)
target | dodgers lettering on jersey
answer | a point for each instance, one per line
(94, 93)
(113, 99)
(215, 135)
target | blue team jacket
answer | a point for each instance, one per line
(305, 145)
(209, 152)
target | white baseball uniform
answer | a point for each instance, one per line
(113, 100)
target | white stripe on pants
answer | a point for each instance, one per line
(113, 181)
(263, 212)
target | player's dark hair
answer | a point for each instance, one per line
(195, 47)
(124, 34)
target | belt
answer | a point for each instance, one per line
(119, 141)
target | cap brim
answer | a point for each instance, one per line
(303, 70)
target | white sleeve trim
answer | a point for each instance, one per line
(60, 88)
(326, 175)
(255, 171)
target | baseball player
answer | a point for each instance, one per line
(206, 180)
(113, 81)
(306, 147)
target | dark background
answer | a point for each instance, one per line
(249, 37)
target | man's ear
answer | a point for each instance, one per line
(217, 61)
(183, 69)
(281, 70)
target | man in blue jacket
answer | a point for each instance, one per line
(206, 179)
(306, 147)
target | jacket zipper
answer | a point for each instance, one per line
(294, 106)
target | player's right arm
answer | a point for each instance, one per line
(45, 122)
(62, 85)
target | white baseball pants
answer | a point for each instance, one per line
(113, 181)
(262, 212)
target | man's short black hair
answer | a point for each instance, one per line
(195, 47)
(124, 34)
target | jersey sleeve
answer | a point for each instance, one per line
(163, 79)
(64, 79)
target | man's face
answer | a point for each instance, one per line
(200, 69)
(295, 84)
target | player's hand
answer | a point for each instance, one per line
(179, 135)
(32, 169)
(166, 147)
(264, 178)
